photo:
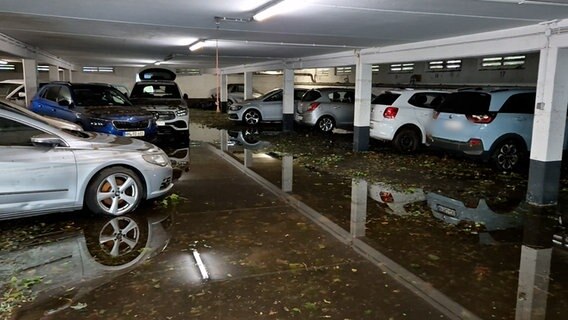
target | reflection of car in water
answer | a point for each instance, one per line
(480, 212)
(179, 158)
(72, 263)
(392, 200)
(247, 138)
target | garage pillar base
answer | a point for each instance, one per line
(287, 122)
(361, 138)
(544, 180)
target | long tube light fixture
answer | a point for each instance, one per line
(3, 62)
(276, 7)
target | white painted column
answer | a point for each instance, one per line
(248, 85)
(287, 173)
(224, 94)
(224, 143)
(288, 100)
(534, 277)
(67, 75)
(358, 208)
(53, 73)
(248, 158)
(362, 116)
(548, 127)
(30, 78)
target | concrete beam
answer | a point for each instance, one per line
(30, 79)
(248, 85)
(26, 51)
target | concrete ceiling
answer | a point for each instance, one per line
(140, 32)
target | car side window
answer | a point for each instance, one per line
(426, 100)
(15, 133)
(520, 103)
(64, 94)
(275, 97)
(51, 93)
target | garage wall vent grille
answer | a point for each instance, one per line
(402, 67)
(98, 69)
(375, 68)
(42, 68)
(343, 70)
(505, 62)
(188, 72)
(445, 65)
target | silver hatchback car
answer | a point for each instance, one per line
(326, 108)
(266, 108)
(45, 169)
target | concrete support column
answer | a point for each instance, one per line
(248, 86)
(288, 101)
(287, 173)
(53, 73)
(224, 94)
(548, 127)
(224, 140)
(30, 78)
(534, 271)
(248, 158)
(362, 117)
(67, 75)
(358, 208)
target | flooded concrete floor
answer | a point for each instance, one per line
(225, 247)
(260, 259)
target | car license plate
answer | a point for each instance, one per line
(134, 133)
(161, 123)
(445, 210)
(453, 125)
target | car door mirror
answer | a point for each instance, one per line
(65, 103)
(21, 95)
(48, 140)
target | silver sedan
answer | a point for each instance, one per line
(326, 108)
(45, 169)
(266, 108)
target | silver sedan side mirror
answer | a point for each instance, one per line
(48, 140)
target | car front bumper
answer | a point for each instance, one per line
(159, 181)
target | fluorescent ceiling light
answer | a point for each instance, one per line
(278, 7)
(157, 63)
(200, 265)
(197, 45)
(3, 62)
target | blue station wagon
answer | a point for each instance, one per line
(96, 107)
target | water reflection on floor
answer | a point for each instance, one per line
(496, 256)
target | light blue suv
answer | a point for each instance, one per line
(495, 125)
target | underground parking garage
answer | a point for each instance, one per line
(283, 159)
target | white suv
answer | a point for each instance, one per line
(401, 117)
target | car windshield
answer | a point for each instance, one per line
(6, 88)
(465, 103)
(385, 98)
(311, 95)
(98, 96)
(155, 91)
(268, 94)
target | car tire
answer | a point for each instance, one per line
(508, 155)
(251, 117)
(406, 140)
(326, 124)
(116, 241)
(103, 197)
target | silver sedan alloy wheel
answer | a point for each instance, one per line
(119, 236)
(252, 117)
(118, 193)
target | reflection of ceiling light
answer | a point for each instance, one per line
(200, 265)
(3, 62)
(157, 63)
(197, 45)
(277, 7)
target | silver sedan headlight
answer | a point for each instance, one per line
(158, 159)
(235, 107)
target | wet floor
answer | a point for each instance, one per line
(225, 247)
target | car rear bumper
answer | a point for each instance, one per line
(382, 130)
(306, 118)
(466, 148)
